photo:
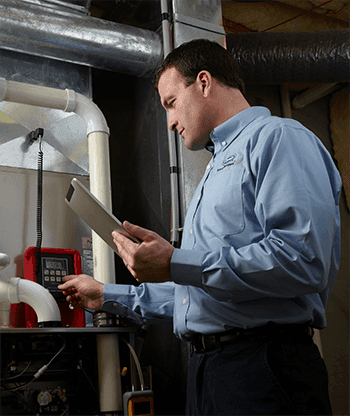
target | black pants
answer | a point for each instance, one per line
(273, 377)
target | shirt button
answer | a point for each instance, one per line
(208, 167)
(223, 143)
(191, 231)
(184, 301)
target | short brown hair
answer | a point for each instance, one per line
(202, 54)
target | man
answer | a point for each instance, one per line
(259, 254)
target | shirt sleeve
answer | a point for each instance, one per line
(297, 190)
(148, 303)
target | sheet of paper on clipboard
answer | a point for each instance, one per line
(93, 213)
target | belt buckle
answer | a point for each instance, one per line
(196, 347)
(208, 342)
(203, 343)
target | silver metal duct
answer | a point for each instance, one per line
(45, 31)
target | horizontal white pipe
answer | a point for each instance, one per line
(22, 93)
(65, 100)
(16, 290)
(312, 94)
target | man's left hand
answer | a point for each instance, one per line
(148, 261)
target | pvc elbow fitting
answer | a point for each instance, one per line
(36, 296)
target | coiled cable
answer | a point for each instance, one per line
(39, 231)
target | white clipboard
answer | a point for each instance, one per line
(94, 214)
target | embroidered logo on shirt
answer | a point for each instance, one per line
(230, 160)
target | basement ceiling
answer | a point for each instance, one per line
(238, 16)
(338, 9)
(285, 15)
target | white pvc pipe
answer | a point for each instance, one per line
(91, 114)
(109, 373)
(19, 92)
(5, 305)
(5, 308)
(16, 290)
(65, 100)
(312, 94)
(110, 391)
(100, 169)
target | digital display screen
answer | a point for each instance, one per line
(55, 264)
(142, 408)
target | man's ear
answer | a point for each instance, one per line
(204, 80)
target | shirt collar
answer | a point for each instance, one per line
(228, 131)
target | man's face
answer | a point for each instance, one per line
(187, 108)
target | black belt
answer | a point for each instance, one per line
(201, 342)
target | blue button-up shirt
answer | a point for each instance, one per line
(261, 239)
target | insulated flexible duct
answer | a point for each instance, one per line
(295, 57)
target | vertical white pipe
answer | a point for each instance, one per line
(100, 186)
(5, 308)
(109, 379)
(110, 390)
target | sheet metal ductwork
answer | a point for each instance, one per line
(45, 31)
(293, 57)
(265, 58)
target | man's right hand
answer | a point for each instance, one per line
(83, 291)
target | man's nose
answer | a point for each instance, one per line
(172, 123)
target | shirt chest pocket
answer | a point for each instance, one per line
(222, 202)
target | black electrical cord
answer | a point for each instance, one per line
(38, 135)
